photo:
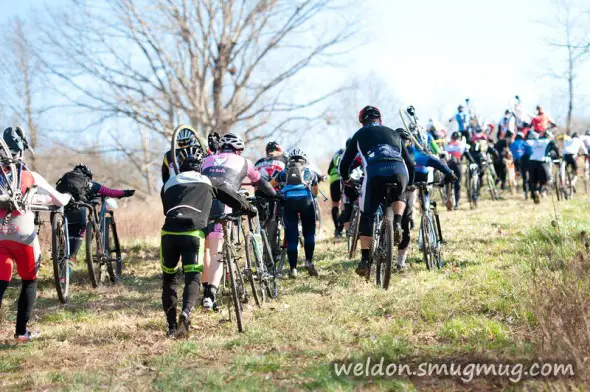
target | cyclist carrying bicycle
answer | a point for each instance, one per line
(188, 141)
(571, 149)
(19, 243)
(80, 185)
(385, 161)
(229, 166)
(187, 200)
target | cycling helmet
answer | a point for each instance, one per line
(369, 113)
(14, 138)
(405, 135)
(186, 138)
(455, 136)
(575, 134)
(84, 170)
(297, 154)
(233, 141)
(460, 108)
(273, 147)
(193, 162)
(587, 132)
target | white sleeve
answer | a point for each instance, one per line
(43, 187)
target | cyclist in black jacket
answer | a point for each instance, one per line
(186, 199)
(385, 160)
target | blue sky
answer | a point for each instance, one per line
(434, 53)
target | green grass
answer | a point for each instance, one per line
(476, 307)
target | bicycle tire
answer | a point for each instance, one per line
(118, 255)
(237, 303)
(387, 248)
(283, 257)
(58, 256)
(173, 148)
(492, 186)
(318, 218)
(251, 272)
(108, 251)
(427, 246)
(270, 282)
(374, 256)
(353, 235)
(93, 255)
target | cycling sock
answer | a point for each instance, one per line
(169, 298)
(26, 300)
(397, 219)
(3, 287)
(365, 254)
(335, 211)
(191, 291)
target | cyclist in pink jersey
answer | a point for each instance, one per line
(229, 166)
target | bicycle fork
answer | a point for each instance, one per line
(435, 210)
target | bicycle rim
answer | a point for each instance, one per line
(108, 252)
(387, 248)
(270, 281)
(117, 260)
(250, 271)
(179, 154)
(92, 255)
(232, 269)
(58, 256)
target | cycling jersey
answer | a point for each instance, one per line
(333, 170)
(541, 149)
(517, 148)
(270, 166)
(375, 143)
(574, 146)
(540, 123)
(507, 124)
(230, 168)
(456, 149)
(462, 121)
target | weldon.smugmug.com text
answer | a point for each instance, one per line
(465, 371)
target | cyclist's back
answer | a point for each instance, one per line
(274, 162)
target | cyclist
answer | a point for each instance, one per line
(517, 148)
(301, 187)
(186, 140)
(542, 122)
(229, 166)
(463, 121)
(502, 147)
(80, 185)
(19, 243)
(269, 166)
(482, 153)
(351, 193)
(385, 160)
(187, 200)
(457, 149)
(336, 190)
(571, 149)
(507, 124)
(541, 148)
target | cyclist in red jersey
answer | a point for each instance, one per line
(542, 121)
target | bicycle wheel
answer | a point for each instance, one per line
(353, 232)
(386, 250)
(110, 248)
(282, 260)
(318, 218)
(58, 255)
(374, 250)
(269, 281)
(118, 261)
(491, 185)
(253, 272)
(232, 272)
(184, 143)
(93, 254)
(428, 237)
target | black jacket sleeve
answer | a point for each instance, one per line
(467, 155)
(226, 195)
(163, 200)
(409, 161)
(265, 187)
(553, 147)
(347, 159)
(165, 169)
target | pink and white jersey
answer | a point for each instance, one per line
(230, 168)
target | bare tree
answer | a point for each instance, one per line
(214, 63)
(20, 80)
(572, 29)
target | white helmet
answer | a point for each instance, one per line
(297, 154)
(232, 140)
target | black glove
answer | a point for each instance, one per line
(129, 192)
(450, 178)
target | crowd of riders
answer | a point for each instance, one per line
(205, 182)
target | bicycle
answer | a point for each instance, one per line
(382, 244)
(472, 184)
(491, 178)
(103, 249)
(352, 236)
(430, 236)
(232, 276)
(260, 265)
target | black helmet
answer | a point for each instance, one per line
(273, 147)
(575, 134)
(15, 140)
(193, 161)
(455, 135)
(84, 170)
(369, 113)
(460, 108)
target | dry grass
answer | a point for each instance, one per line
(478, 306)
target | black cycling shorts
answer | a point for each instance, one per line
(190, 246)
(336, 191)
(570, 160)
(376, 177)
